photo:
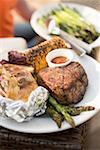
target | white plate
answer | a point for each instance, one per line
(88, 13)
(44, 124)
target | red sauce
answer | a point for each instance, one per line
(59, 60)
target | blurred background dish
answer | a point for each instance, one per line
(89, 14)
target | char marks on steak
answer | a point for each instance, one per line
(66, 84)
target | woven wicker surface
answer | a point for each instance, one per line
(70, 140)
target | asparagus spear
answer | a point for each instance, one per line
(62, 110)
(73, 23)
(73, 111)
(77, 17)
(42, 22)
(58, 118)
(66, 111)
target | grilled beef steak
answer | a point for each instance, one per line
(67, 84)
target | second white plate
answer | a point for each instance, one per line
(88, 13)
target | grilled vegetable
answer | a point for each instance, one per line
(72, 22)
(73, 111)
(36, 56)
(68, 111)
(57, 117)
(62, 110)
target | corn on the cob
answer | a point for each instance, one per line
(36, 55)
